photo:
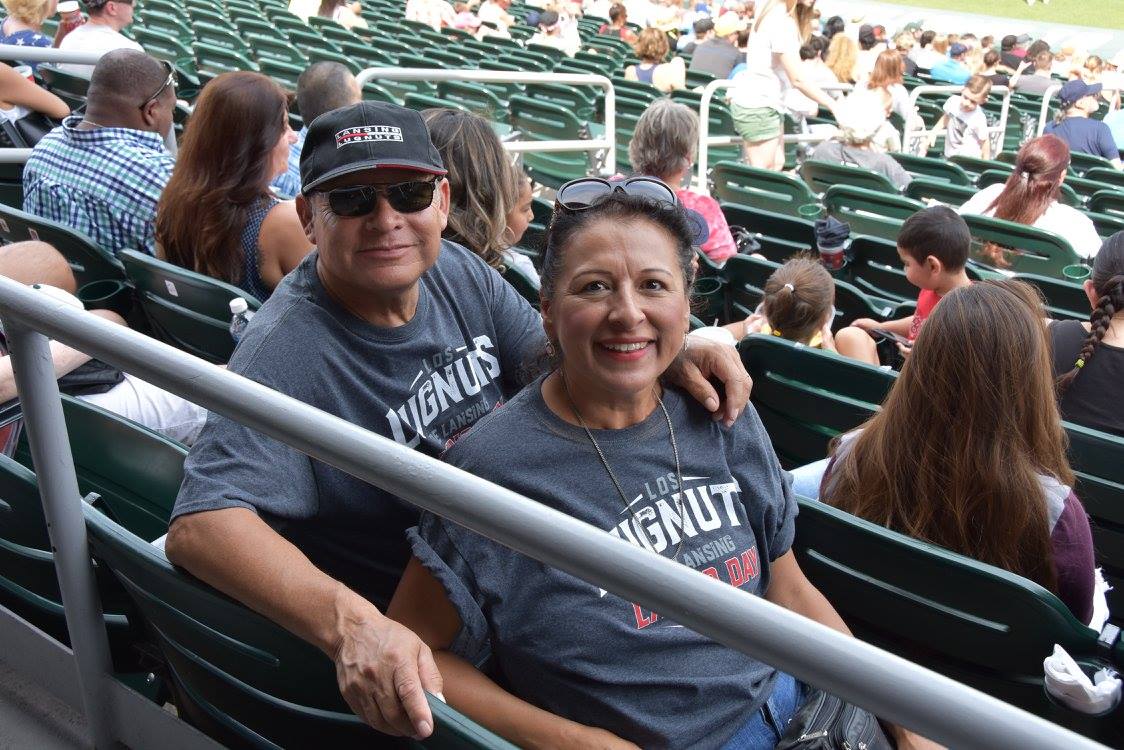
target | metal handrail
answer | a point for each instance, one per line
(890, 686)
(1043, 113)
(706, 139)
(917, 91)
(608, 143)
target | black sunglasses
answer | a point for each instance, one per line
(403, 197)
(580, 194)
(169, 81)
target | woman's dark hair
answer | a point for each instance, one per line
(927, 38)
(222, 170)
(834, 25)
(1108, 280)
(798, 297)
(1033, 186)
(617, 207)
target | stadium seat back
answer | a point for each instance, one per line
(527, 287)
(807, 397)
(162, 45)
(220, 36)
(1107, 202)
(238, 676)
(871, 212)
(1081, 162)
(272, 48)
(973, 622)
(286, 74)
(1026, 248)
(934, 169)
(1106, 224)
(186, 309)
(974, 166)
(765, 189)
(541, 120)
(11, 185)
(820, 175)
(922, 189)
(1110, 177)
(214, 60)
(69, 87)
(474, 98)
(87, 261)
(636, 89)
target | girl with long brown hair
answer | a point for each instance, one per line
(1030, 196)
(1089, 357)
(217, 215)
(889, 75)
(968, 450)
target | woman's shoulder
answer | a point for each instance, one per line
(979, 202)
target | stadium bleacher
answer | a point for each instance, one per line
(248, 683)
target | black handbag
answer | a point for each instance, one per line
(29, 129)
(826, 722)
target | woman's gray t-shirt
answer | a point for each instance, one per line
(573, 649)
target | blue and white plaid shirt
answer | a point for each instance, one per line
(288, 183)
(103, 182)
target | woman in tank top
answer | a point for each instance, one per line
(217, 215)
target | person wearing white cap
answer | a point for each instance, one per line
(720, 54)
(860, 117)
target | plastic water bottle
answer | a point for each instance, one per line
(239, 318)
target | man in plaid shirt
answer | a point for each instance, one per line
(102, 174)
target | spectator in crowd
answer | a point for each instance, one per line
(483, 187)
(552, 33)
(1063, 61)
(704, 30)
(904, 44)
(1037, 46)
(343, 12)
(119, 392)
(102, 173)
(618, 24)
(964, 121)
(1011, 52)
(599, 421)
(217, 215)
(990, 69)
(652, 48)
(664, 145)
(1115, 122)
(1030, 196)
(869, 49)
(433, 13)
(1076, 101)
(813, 70)
(772, 67)
(19, 96)
(519, 217)
(719, 54)
(101, 33)
(952, 69)
(24, 24)
(833, 26)
(1089, 357)
(933, 245)
(1038, 80)
(799, 305)
(324, 86)
(495, 12)
(987, 42)
(888, 76)
(860, 118)
(842, 58)
(968, 451)
(924, 54)
(389, 327)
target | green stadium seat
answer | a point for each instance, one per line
(820, 175)
(274, 49)
(1106, 224)
(922, 189)
(162, 45)
(734, 182)
(1065, 299)
(1107, 202)
(975, 166)
(635, 89)
(698, 78)
(420, 102)
(581, 100)
(806, 397)
(1081, 162)
(1110, 177)
(1084, 188)
(325, 54)
(868, 211)
(69, 87)
(88, 261)
(457, 36)
(934, 169)
(527, 287)
(286, 74)
(578, 67)
(474, 98)
(877, 270)
(239, 677)
(378, 93)
(366, 55)
(172, 24)
(392, 48)
(719, 123)
(209, 17)
(216, 60)
(452, 60)
(781, 236)
(975, 623)
(257, 25)
(185, 309)
(337, 34)
(1028, 250)
(11, 185)
(539, 120)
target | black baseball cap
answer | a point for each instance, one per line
(367, 135)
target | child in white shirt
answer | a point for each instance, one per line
(965, 122)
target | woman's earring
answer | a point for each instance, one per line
(550, 348)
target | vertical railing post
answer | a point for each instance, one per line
(58, 488)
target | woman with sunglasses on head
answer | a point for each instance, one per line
(598, 437)
(217, 215)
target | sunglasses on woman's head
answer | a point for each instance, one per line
(587, 192)
(360, 200)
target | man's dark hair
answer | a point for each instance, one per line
(617, 12)
(703, 25)
(938, 231)
(1038, 45)
(322, 87)
(927, 38)
(808, 51)
(834, 25)
(125, 76)
(1008, 42)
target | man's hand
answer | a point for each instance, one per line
(702, 360)
(384, 672)
(867, 323)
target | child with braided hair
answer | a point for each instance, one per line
(1089, 357)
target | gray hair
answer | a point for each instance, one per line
(666, 135)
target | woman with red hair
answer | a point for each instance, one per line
(1030, 196)
(888, 74)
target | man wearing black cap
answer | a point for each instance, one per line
(1078, 100)
(391, 328)
(1010, 54)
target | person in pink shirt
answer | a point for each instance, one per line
(664, 146)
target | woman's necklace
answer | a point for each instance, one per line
(613, 477)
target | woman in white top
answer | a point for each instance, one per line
(1030, 196)
(772, 68)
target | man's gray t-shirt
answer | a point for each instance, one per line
(571, 648)
(883, 164)
(457, 358)
(717, 57)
